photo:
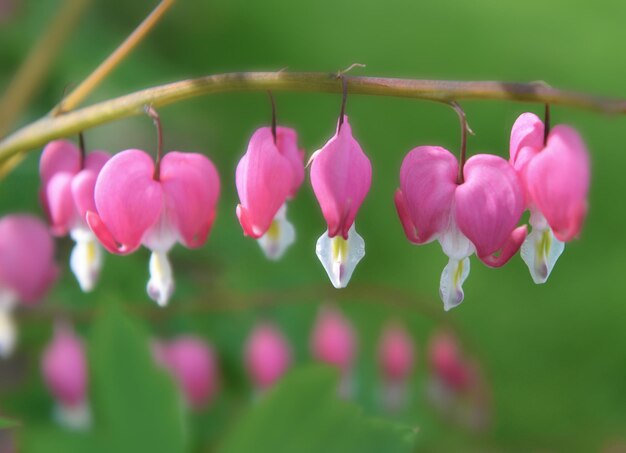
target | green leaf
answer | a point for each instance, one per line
(137, 406)
(304, 414)
(6, 423)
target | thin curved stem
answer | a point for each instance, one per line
(83, 149)
(156, 119)
(546, 124)
(344, 99)
(94, 79)
(464, 130)
(273, 103)
(40, 132)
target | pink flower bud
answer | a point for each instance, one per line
(396, 353)
(447, 362)
(333, 340)
(192, 363)
(64, 368)
(267, 355)
(27, 268)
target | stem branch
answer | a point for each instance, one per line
(42, 131)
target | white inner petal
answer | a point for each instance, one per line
(339, 256)
(74, 417)
(540, 251)
(279, 237)
(8, 333)
(86, 258)
(451, 284)
(161, 284)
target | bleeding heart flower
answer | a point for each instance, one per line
(136, 204)
(333, 341)
(67, 193)
(447, 362)
(27, 269)
(267, 355)
(269, 174)
(396, 355)
(555, 176)
(192, 363)
(478, 215)
(64, 366)
(341, 175)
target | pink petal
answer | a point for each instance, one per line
(84, 183)
(95, 160)
(191, 186)
(264, 180)
(447, 361)
(65, 368)
(396, 352)
(489, 203)
(558, 182)
(26, 257)
(333, 340)
(59, 156)
(341, 175)
(128, 201)
(287, 143)
(193, 364)
(267, 355)
(60, 203)
(527, 132)
(427, 185)
(509, 249)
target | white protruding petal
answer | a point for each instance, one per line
(339, 256)
(8, 333)
(77, 417)
(161, 285)
(451, 285)
(540, 251)
(279, 237)
(86, 258)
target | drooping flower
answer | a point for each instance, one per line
(341, 175)
(27, 269)
(267, 355)
(333, 341)
(64, 366)
(456, 386)
(67, 193)
(478, 215)
(192, 363)
(396, 355)
(269, 174)
(555, 176)
(137, 203)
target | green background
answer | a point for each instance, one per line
(554, 355)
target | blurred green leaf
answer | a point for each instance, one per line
(7, 423)
(304, 414)
(137, 407)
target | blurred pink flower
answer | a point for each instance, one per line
(396, 356)
(267, 355)
(478, 215)
(333, 340)
(269, 174)
(64, 366)
(135, 207)
(555, 176)
(67, 194)
(341, 175)
(192, 363)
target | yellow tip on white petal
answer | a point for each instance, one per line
(451, 284)
(540, 251)
(161, 284)
(279, 236)
(86, 259)
(340, 256)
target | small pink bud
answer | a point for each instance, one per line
(396, 353)
(267, 355)
(64, 367)
(447, 362)
(192, 363)
(333, 340)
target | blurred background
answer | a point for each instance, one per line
(552, 358)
